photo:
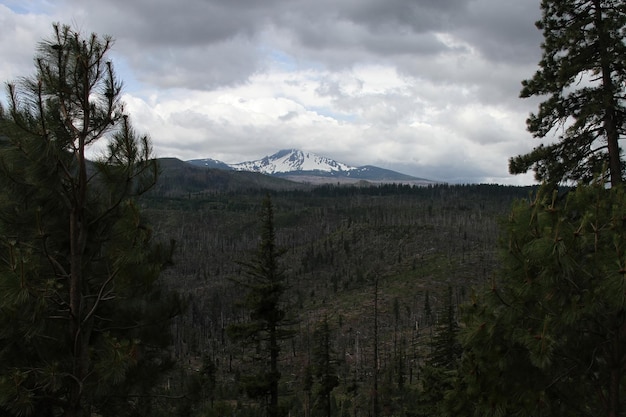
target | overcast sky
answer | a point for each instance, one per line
(425, 87)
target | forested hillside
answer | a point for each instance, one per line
(139, 287)
(133, 286)
(377, 264)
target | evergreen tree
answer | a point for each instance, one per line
(81, 312)
(548, 336)
(324, 366)
(445, 348)
(439, 372)
(582, 74)
(265, 283)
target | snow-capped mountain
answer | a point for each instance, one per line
(300, 166)
(290, 160)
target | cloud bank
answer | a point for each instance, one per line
(426, 87)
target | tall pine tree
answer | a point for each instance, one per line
(439, 371)
(582, 74)
(324, 367)
(548, 336)
(81, 312)
(265, 282)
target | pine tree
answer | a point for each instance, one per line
(548, 336)
(445, 348)
(81, 313)
(324, 366)
(582, 73)
(265, 282)
(439, 372)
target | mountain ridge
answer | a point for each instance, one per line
(300, 166)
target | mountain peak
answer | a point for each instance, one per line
(292, 160)
(300, 166)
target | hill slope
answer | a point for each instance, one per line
(181, 178)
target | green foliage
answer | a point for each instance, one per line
(548, 336)
(418, 252)
(265, 282)
(445, 347)
(581, 75)
(439, 373)
(82, 312)
(324, 363)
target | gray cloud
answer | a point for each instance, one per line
(217, 34)
(420, 16)
(429, 87)
(198, 67)
(173, 23)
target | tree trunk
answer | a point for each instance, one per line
(79, 330)
(375, 399)
(610, 119)
(615, 376)
(274, 351)
(80, 351)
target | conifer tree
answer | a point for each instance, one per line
(445, 348)
(266, 282)
(324, 366)
(439, 372)
(82, 317)
(548, 336)
(582, 73)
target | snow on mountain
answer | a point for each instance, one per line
(209, 163)
(300, 166)
(292, 160)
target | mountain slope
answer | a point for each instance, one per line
(178, 178)
(299, 166)
(290, 160)
(209, 163)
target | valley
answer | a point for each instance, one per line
(377, 262)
